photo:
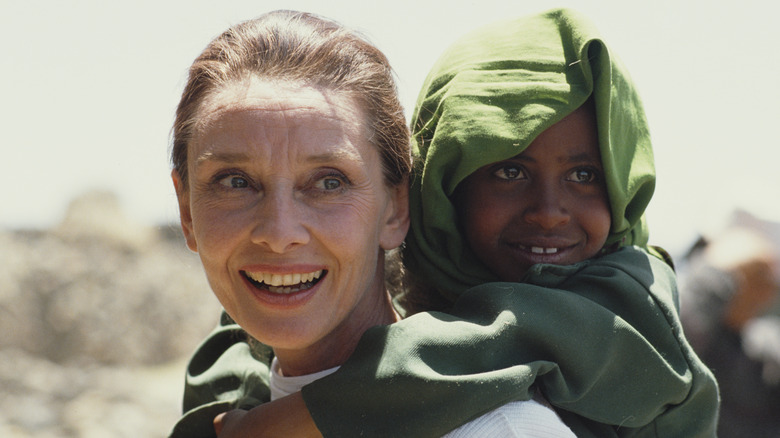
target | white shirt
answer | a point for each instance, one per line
(520, 419)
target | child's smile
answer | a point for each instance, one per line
(530, 254)
(546, 205)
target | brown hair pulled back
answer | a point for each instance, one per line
(299, 47)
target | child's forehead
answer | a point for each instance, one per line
(573, 139)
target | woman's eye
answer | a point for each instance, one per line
(582, 176)
(329, 183)
(234, 182)
(509, 173)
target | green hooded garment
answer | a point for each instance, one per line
(487, 98)
(600, 339)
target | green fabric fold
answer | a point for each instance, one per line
(600, 339)
(487, 98)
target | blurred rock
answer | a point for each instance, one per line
(98, 215)
(92, 315)
(44, 399)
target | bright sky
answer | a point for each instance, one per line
(89, 89)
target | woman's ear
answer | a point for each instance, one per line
(396, 223)
(185, 214)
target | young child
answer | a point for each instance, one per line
(531, 134)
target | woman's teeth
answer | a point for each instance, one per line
(284, 283)
(283, 279)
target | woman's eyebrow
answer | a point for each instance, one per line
(334, 156)
(241, 157)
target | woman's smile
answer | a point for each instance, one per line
(284, 283)
(284, 293)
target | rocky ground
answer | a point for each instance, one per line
(97, 318)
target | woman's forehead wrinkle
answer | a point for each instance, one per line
(313, 125)
(318, 148)
(223, 157)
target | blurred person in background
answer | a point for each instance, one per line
(729, 284)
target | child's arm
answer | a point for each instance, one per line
(286, 417)
(603, 342)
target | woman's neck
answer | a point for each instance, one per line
(335, 348)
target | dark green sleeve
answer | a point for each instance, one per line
(224, 373)
(602, 340)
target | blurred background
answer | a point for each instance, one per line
(100, 302)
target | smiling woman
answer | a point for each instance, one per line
(288, 207)
(291, 161)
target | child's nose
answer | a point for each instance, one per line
(280, 223)
(547, 208)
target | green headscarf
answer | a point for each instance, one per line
(487, 98)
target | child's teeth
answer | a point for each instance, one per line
(539, 250)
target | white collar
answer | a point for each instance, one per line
(285, 385)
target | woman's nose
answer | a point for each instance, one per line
(547, 208)
(280, 223)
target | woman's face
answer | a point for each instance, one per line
(287, 206)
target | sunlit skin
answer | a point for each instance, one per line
(288, 208)
(552, 196)
(548, 204)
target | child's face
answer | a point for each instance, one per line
(547, 205)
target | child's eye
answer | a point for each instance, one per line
(509, 172)
(583, 176)
(234, 182)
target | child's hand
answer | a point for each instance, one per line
(286, 417)
(230, 423)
